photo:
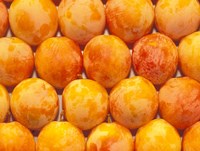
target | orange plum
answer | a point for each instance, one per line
(129, 19)
(60, 136)
(190, 141)
(157, 135)
(4, 103)
(15, 137)
(110, 137)
(81, 20)
(177, 18)
(189, 55)
(133, 102)
(16, 61)
(3, 19)
(155, 57)
(34, 103)
(33, 20)
(85, 103)
(179, 102)
(107, 60)
(58, 61)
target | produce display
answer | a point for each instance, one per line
(99, 75)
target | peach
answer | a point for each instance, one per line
(133, 102)
(33, 20)
(191, 138)
(107, 60)
(60, 136)
(179, 102)
(157, 135)
(63, 56)
(155, 57)
(85, 103)
(189, 55)
(110, 137)
(81, 20)
(34, 103)
(16, 61)
(3, 19)
(15, 137)
(129, 19)
(4, 103)
(177, 18)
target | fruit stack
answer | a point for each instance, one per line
(92, 75)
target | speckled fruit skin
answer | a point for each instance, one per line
(85, 103)
(107, 60)
(190, 141)
(60, 136)
(33, 20)
(179, 102)
(3, 19)
(34, 103)
(177, 18)
(4, 103)
(81, 20)
(157, 135)
(58, 61)
(155, 57)
(189, 55)
(16, 61)
(110, 136)
(129, 19)
(133, 102)
(15, 137)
